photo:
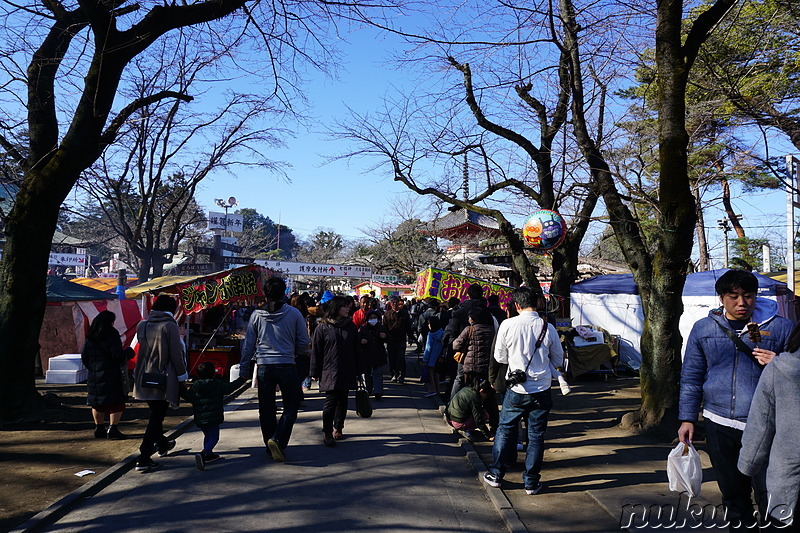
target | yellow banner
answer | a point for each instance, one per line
(441, 284)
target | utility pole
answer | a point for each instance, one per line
(723, 225)
(791, 192)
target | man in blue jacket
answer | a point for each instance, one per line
(725, 354)
(276, 334)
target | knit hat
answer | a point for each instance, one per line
(326, 297)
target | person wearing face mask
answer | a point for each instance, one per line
(335, 364)
(373, 337)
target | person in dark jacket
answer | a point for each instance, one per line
(335, 364)
(494, 308)
(476, 341)
(373, 337)
(105, 359)
(207, 396)
(398, 323)
(460, 320)
(465, 411)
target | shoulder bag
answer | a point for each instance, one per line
(363, 403)
(739, 343)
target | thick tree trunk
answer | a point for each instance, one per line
(521, 264)
(23, 275)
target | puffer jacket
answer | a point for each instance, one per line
(459, 319)
(161, 350)
(478, 347)
(770, 438)
(207, 397)
(717, 375)
(103, 358)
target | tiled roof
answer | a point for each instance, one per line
(461, 217)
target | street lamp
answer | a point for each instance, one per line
(232, 202)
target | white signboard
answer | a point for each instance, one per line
(220, 221)
(67, 259)
(316, 269)
(385, 278)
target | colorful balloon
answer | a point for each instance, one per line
(544, 230)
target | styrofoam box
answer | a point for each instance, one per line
(68, 361)
(66, 376)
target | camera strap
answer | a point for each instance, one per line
(539, 341)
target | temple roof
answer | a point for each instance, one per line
(462, 223)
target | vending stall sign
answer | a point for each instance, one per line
(441, 284)
(237, 285)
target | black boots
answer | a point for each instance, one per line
(100, 431)
(115, 434)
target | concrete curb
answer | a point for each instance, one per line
(60, 508)
(495, 495)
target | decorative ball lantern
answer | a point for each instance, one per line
(544, 230)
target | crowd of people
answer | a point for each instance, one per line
(493, 366)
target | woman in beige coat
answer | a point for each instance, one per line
(160, 367)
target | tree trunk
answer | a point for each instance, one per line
(702, 243)
(526, 271)
(23, 275)
(732, 216)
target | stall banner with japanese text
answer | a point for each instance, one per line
(444, 285)
(225, 287)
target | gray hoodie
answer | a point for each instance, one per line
(275, 335)
(770, 438)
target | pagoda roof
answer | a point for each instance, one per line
(461, 223)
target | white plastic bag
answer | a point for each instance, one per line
(684, 471)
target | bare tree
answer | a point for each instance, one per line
(145, 183)
(65, 65)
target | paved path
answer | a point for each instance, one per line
(401, 470)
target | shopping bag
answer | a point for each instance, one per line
(363, 403)
(684, 471)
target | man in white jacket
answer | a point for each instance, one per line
(531, 347)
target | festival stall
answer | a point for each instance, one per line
(384, 289)
(441, 284)
(214, 310)
(612, 302)
(71, 308)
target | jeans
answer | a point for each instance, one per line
(535, 407)
(458, 381)
(374, 380)
(723, 445)
(397, 356)
(334, 410)
(154, 434)
(210, 439)
(285, 377)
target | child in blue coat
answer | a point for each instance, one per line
(433, 351)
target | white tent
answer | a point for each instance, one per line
(612, 302)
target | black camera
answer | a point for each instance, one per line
(515, 377)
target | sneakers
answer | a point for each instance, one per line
(394, 379)
(115, 434)
(493, 480)
(534, 490)
(211, 457)
(164, 449)
(145, 464)
(430, 394)
(275, 451)
(100, 432)
(200, 461)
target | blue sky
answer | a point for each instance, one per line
(342, 197)
(337, 195)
